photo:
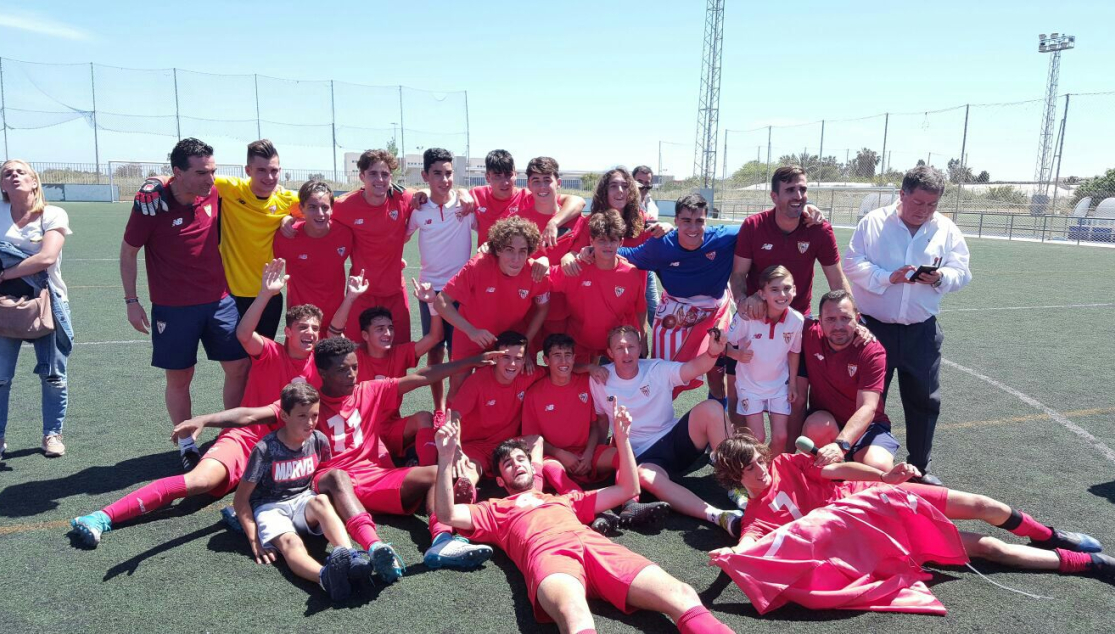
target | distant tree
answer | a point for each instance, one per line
(751, 173)
(314, 177)
(1006, 194)
(921, 163)
(1098, 188)
(863, 166)
(958, 173)
(983, 177)
(588, 181)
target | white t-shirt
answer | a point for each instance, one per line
(765, 376)
(30, 238)
(444, 240)
(649, 397)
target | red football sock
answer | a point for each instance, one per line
(437, 528)
(699, 620)
(1072, 562)
(557, 477)
(363, 530)
(1023, 525)
(424, 447)
(147, 498)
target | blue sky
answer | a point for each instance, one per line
(592, 84)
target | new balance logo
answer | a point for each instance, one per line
(820, 357)
(550, 407)
(586, 283)
(359, 221)
(767, 247)
(491, 402)
(490, 289)
(304, 256)
(177, 222)
(675, 263)
(297, 469)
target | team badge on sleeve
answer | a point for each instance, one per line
(803, 247)
(852, 369)
(619, 290)
(787, 336)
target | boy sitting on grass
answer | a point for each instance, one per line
(275, 504)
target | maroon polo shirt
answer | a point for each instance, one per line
(765, 244)
(837, 376)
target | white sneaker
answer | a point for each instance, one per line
(3, 447)
(52, 445)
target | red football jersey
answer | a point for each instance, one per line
(835, 377)
(350, 423)
(273, 370)
(600, 300)
(492, 412)
(400, 358)
(562, 414)
(765, 244)
(491, 300)
(180, 251)
(316, 267)
(796, 487)
(518, 523)
(489, 209)
(379, 233)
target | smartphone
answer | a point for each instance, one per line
(925, 269)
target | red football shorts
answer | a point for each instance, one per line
(481, 454)
(232, 449)
(593, 476)
(396, 303)
(377, 488)
(391, 432)
(937, 496)
(604, 568)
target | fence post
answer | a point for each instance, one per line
(333, 119)
(259, 129)
(768, 155)
(1010, 229)
(1060, 152)
(963, 163)
(1044, 224)
(468, 150)
(821, 148)
(96, 139)
(886, 129)
(832, 204)
(177, 116)
(979, 231)
(3, 109)
(402, 137)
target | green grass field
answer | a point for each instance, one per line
(1028, 355)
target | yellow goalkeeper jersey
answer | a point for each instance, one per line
(248, 224)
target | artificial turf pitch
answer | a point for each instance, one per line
(1021, 369)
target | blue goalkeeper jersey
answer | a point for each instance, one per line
(703, 271)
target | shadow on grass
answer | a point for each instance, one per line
(1105, 491)
(28, 499)
(130, 566)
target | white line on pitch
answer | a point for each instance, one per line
(976, 310)
(1107, 452)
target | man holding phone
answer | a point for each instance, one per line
(902, 260)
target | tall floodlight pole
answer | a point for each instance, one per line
(1053, 43)
(708, 103)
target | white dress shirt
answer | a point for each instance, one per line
(882, 244)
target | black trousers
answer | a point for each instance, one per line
(914, 351)
(268, 325)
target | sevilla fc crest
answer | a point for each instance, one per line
(645, 390)
(394, 214)
(711, 255)
(161, 325)
(521, 395)
(786, 336)
(523, 293)
(852, 369)
(803, 247)
(583, 396)
(758, 335)
(341, 251)
(619, 290)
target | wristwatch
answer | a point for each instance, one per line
(844, 445)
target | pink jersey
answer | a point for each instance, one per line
(316, 267)
(181, 251)
(489, 209)
(379, 233)
(491, 300)
(492, 412)
(765, 244)
(835, 377)
(272, 370)
(600, 300)
(562, 415)
(521, 523)
(350, 423)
